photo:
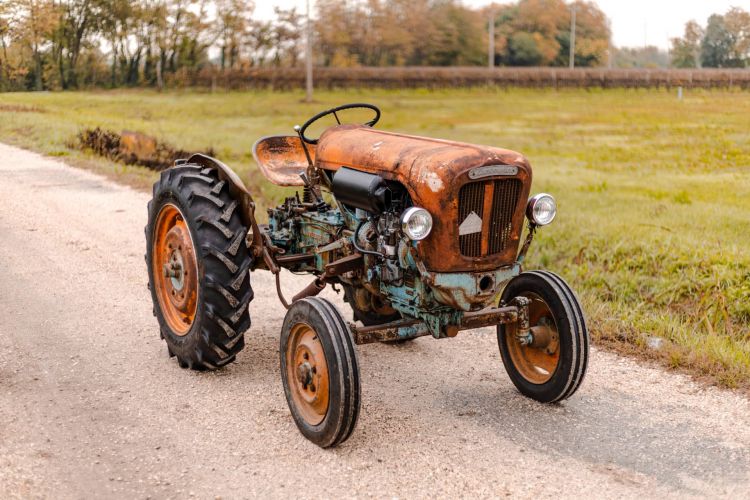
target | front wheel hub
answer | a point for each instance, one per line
(177, 283)
(537, 353)
(308, 375)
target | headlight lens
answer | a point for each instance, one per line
(416, 223)
(541, 209)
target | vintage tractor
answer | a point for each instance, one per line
(421, 234)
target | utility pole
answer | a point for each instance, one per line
(308, 57)
(611, 48)
(491, 47)
(572, 62)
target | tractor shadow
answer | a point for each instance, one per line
(612, 430)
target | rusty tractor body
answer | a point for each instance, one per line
(423, 235)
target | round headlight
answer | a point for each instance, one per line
(416, 223)
(541, 209)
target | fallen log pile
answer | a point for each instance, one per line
(131, 148)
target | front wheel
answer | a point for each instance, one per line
(552, 366)
(319, 371)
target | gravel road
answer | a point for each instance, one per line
(91, 405)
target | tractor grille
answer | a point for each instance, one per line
(499, 198)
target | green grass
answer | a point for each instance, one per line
(654, 193)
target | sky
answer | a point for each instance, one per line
(634, 22)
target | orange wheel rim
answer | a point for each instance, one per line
(536, 363)
(175, 269)
(307, 373)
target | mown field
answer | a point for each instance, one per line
(654, 193)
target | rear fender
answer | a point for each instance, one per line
(239, 192)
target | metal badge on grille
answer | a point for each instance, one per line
(490, 170)
(471, 224)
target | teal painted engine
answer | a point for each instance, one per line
(366, 243)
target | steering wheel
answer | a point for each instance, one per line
(334, 112)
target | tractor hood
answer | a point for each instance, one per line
(429, 163)
(434, 172)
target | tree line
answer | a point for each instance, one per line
(723, 43)
(69, 44)
(447, 33)
(65, 44)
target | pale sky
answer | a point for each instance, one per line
(633, 21)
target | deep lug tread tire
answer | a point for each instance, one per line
(343, 369)
(224, 292)
(572, 330)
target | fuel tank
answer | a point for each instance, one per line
(476, 194)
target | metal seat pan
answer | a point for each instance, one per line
(282, 159)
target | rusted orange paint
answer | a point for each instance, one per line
(138, 145)
(536, 362)
(282, 159)
(433, 171)
(487, 209)
(307, 373)
(172, 239)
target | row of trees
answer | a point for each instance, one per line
(72, 43)
(62, 44)
(537, 33)
(399, 32)
(723, 43)
(447, 33)
(50, 44)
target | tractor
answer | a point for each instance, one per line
(423, 236)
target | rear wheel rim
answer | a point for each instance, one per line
(535, 364)
(175, 269)
(307, 373)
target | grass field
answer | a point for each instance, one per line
(654, 193)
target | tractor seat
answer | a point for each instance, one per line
(282, 159)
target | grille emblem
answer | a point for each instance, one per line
(471, 224)
(491, 170)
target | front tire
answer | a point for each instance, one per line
(198, 267)
(320, 371)
(553, 366)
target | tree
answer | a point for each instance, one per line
(76, 21)
(334, 27)
(456, 36)
(233, 21)
(36, 21)
(537, 32)
(5, 31)
(592, 36)
(686, 51)
(541, 21)
(717, 44)
(286, 36)
(737, 22)
(523, 49)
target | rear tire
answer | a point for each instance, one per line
(202, 316)
(320, 371)
(551, 372)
